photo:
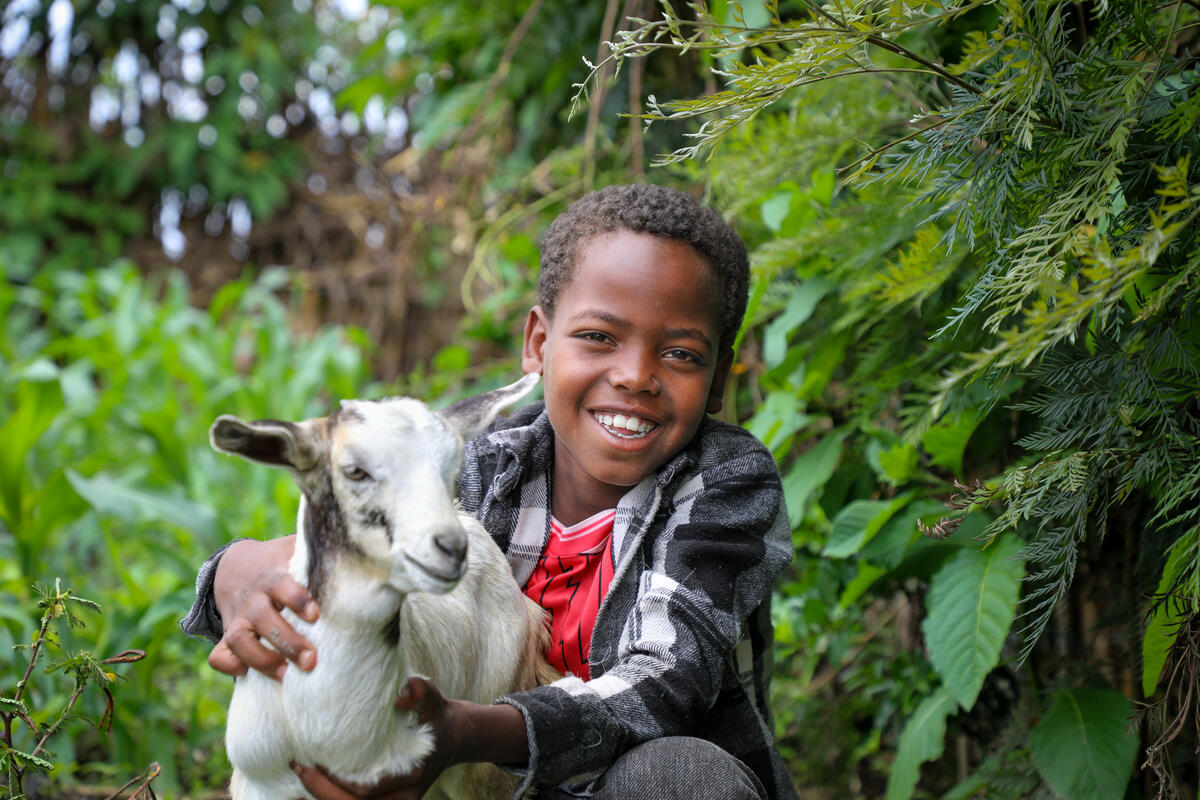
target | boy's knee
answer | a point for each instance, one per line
(680, 767)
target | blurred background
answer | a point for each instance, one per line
(971, 341)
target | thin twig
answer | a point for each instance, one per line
(151, 773)
(605, 69)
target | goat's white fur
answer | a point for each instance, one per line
(465, 626)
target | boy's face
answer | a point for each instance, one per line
(630, 364)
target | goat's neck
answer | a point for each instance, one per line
(352, 592)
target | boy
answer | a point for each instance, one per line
(651, 532)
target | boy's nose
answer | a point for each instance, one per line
(636, 373)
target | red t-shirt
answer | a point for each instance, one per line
(570, 580)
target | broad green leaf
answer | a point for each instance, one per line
(1161, 629)
(1083, 747)
(898, 463)
(799, 308)
(923, 739)
(809, 472)
(132, 504)
(858, 522)
(777, 420)
(972, 601)
(946, 441)
(896, 539)
(775, 208)
(867, 574)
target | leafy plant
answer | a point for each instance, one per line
(110, 381)
(975, 250)
(23, 721)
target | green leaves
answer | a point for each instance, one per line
(133, 504)
(858, 522)
(37, 402)
(972, 601)
(1169, 610)
(1084, 747)
(923, 739)
(799, 308)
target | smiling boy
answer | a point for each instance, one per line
(650, 531)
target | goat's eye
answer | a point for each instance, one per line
(355, 473)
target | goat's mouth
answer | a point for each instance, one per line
(441, 577)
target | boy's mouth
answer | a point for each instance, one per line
(624, 426)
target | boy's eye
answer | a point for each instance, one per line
(593, 336)
(679, 354)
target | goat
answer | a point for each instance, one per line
(406, 584)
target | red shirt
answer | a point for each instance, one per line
(570, 580)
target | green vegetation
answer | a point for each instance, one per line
(972, 345)
(23, 740)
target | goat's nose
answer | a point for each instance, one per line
(452, 542)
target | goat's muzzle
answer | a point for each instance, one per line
(444, 563)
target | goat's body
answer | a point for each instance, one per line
(475, 643)
(406, 586)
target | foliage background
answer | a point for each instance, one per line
(975, 261)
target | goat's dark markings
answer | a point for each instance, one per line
(391, 631)
(376, 517)
(325, 533)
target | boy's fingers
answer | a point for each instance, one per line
(265, 621)
(222, 659)
(284, 590)
(325, 787)
(243, 643)
(412, 694)
(419, 695)
(319, 785)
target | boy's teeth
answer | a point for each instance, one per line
(621, 422)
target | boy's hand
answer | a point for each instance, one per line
(251, 585)
(418, 695)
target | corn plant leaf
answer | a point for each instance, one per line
(972, 601)
(1083, 748)
(39, 400)
(133, 504)
(923, 739)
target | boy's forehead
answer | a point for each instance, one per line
(619, 252)
(596, 252)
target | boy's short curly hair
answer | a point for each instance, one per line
(660, 211)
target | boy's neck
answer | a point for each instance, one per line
(569, 505)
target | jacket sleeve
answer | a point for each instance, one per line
(699, 576)
(202, 620)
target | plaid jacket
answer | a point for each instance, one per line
(683, 639)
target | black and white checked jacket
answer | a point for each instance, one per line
(683, 639)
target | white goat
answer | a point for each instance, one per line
(406, 585)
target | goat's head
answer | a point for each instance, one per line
(378, 480)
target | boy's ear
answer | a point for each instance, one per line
(537, 327)
(716, 392)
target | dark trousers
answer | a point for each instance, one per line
(675, 768)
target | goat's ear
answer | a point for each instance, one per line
(268, 441)
(471, 415)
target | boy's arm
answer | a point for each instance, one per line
(462, 731)
(239, 593)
